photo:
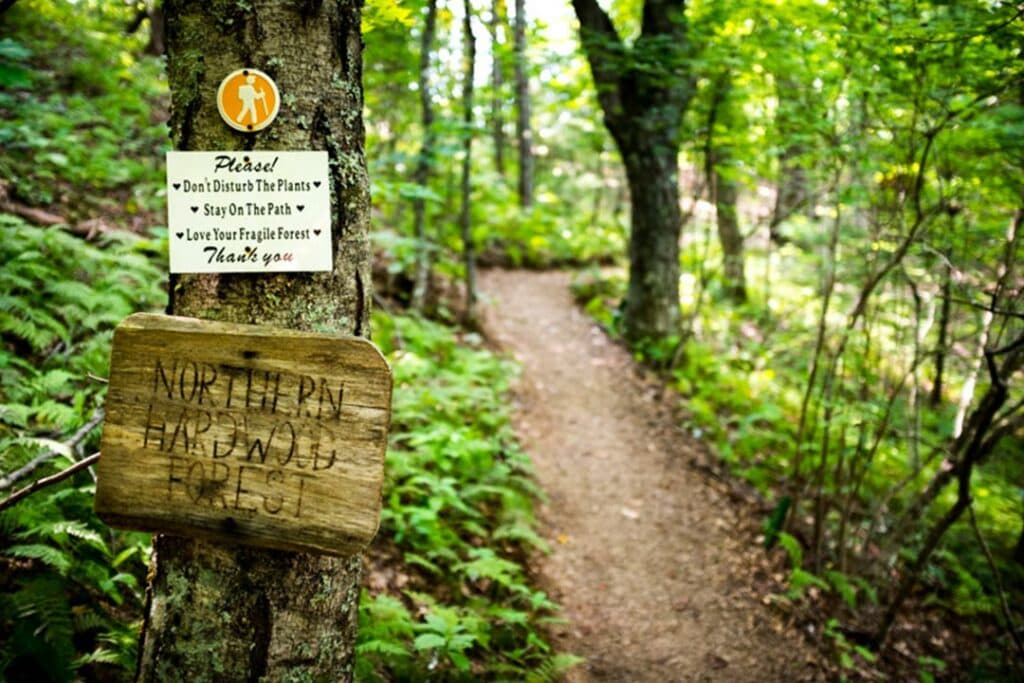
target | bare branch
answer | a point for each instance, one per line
(1007, 615)
(9, 480)
(48, 481)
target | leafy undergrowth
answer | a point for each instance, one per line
(448, 596)
(740, 375)
(81, 115)
(71, 589)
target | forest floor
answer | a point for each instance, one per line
(656, 565)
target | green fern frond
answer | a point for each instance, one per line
(49, 555)
(554, 668)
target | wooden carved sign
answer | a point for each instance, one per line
(245, 434)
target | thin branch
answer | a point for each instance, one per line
(1012, 346)
(987, 308)
(1010, 626)
(48, 481)
(29, 467)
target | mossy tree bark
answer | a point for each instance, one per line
(219, 613)
(644, 90)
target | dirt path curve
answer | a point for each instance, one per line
(649, 560)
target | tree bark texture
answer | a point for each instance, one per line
(465, 217)
(225, 613)
(651, 309)
(426, 159)
(524, 135)
(644, 89)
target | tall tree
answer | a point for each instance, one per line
(724, 188)
(468, 248)
(644, 89)
(218, 612)
(497, 81)
(426, 157)
(524, 136)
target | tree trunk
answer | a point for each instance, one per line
(524, 136)
(793, 192)
(497, 117)
(422, 174)
(724, 192)
(943, 342)
(651, 309)
(468, 248)
(226, 613)
(730, 238)
(644, 91)
(157, 43)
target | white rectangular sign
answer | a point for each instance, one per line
(248, 212)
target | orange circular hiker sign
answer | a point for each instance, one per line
(248, 100)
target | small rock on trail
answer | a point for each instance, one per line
(651, 565)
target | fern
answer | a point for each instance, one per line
(61, 298)
(846, 589)
(793, 549)
(44, 553)
(554, 668)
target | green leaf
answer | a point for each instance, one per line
(429, 641)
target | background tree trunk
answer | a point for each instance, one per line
(241, 614)
(157, 43)
(724, 191)
(426, 158)
(942, 345)
(524, 136)
(730, 237)
(792, 186)
(465, 218)
(497, 81)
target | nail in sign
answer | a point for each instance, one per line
(245, 434)
(248, 100)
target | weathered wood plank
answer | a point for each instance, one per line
(246, 434)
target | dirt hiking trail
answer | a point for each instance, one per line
(652, 563)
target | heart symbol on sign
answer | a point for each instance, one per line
(316, 183)
(176, 186)
(194, 209)
(250, 251)
(180, 234)
(316, 232)
(300, 207)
